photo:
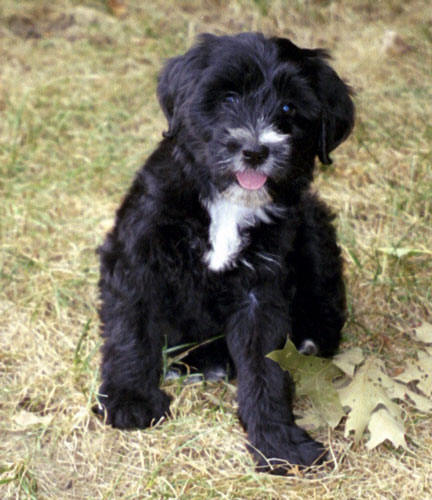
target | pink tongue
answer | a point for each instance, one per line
(250, 179)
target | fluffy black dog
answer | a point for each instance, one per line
(221, 235)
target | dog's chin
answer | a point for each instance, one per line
(237, 194)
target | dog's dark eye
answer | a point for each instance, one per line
(288, 109)
(231, 98)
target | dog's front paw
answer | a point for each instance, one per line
(130, 411)
(290, 446)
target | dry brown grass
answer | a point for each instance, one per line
(79, 115)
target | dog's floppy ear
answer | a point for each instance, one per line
(337, 119)
(337, 115)
(177, 81)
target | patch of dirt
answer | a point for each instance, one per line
(45, 22)
(42, 23)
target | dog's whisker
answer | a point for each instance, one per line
(224, 162)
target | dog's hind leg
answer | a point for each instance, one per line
(318, 309)
(265, 391)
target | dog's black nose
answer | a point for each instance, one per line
(256, 156)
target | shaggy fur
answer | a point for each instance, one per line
(220, 235)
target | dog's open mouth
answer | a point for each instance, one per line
(251, 179)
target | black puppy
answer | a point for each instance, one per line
(221, 235)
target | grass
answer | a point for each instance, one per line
(79, 115)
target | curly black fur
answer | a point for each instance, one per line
(195, 254)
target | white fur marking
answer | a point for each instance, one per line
(308, 347)
(240, 133)
(228, 218)
(270, 136)
(224, 233)
(215, 374)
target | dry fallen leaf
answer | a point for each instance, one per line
(393, 44)
(347, 361)
(117, 7)
(423, 333)
(364, 395)
(28, 419)
(364, 392)
(401, 391)
(383, 426)
(419, 371)
(313, 377)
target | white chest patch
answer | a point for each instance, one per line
(229, 215)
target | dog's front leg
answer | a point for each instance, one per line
(131, 370)
(265, 391)
(132, 352)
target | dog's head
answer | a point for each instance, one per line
(253, 110)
